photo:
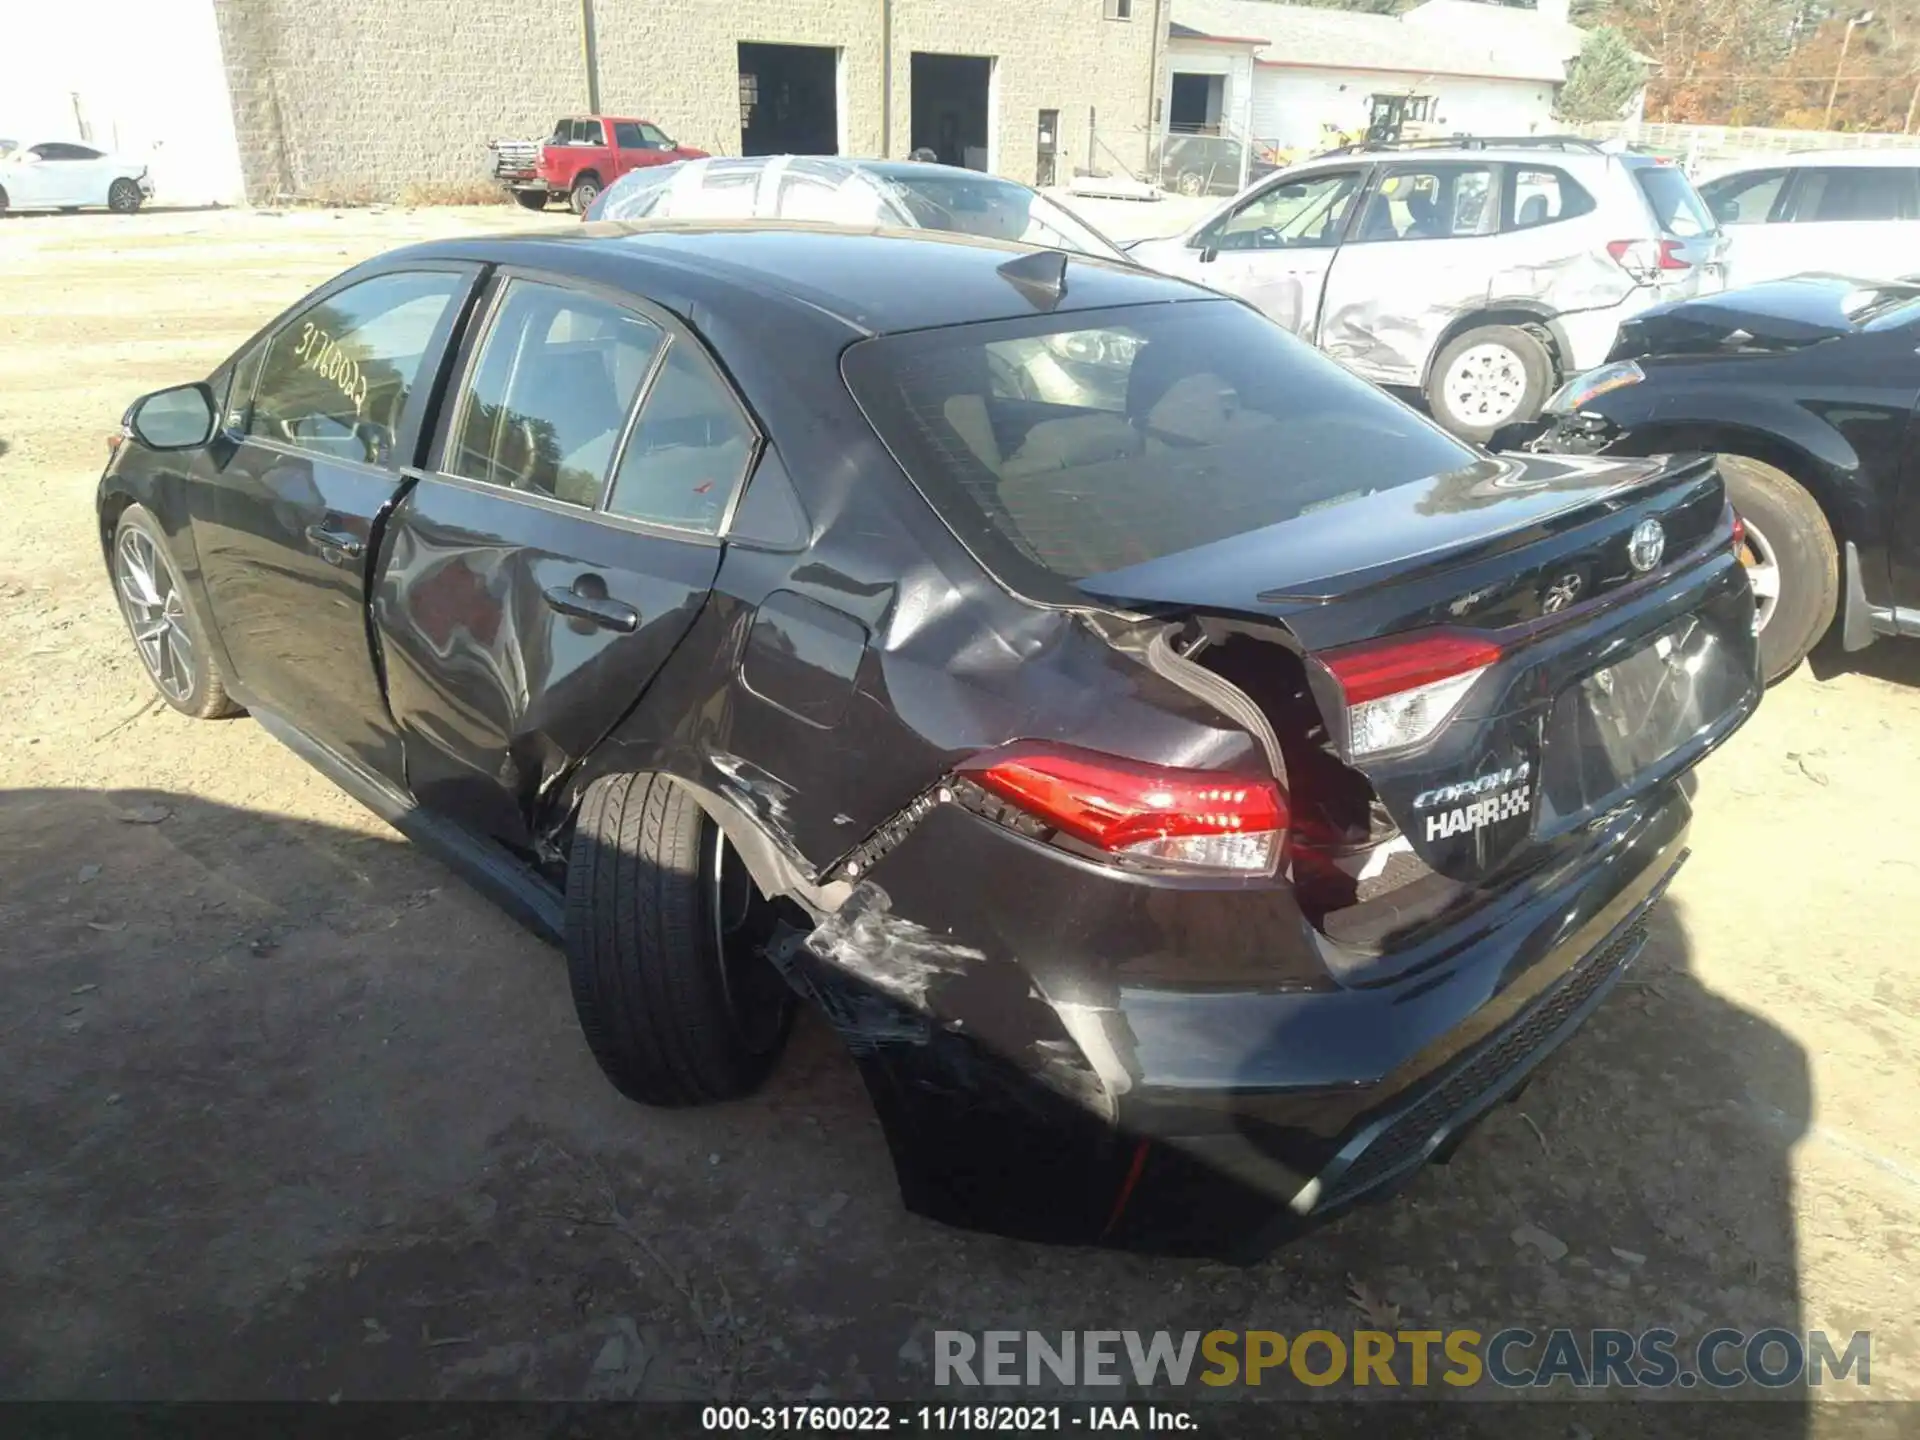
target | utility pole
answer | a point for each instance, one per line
(590, 49)
(1864, 18)
(1911, 106)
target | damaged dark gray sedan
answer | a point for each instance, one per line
(1194, 785)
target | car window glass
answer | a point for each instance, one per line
(723, 192)
(336, 378)
(1856, 192)
(1305, 212)
(688, 449)
(653, 134)
(546, 400)
(1540, 197)
(1677, 207)
(627, 135)
(1443, 202)
(592, 133)
(1744, 199)
(1138, 433)
(804, 198)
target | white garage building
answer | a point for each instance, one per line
(1284, 75)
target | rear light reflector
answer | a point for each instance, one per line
(1400, 691)
(1739, 533)
(1195, 818)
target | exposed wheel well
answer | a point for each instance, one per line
(1754, 445)
(593, 175)
(112, 507)
(1535, 322)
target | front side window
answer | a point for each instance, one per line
(688, 449)
(1857, 192)
(1297, 213)
(1065, 446)
(1438, 202)
(1744, 199)
(336, 379)
(547, 398)
(627, 135)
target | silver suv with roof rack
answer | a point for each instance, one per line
(1480, 271)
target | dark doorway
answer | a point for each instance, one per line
(1193, 107)
(789, 100)
(950, 107)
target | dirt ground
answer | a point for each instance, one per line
(288, 1112)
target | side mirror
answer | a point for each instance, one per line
(177, 419)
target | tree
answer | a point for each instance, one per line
(1602, 82)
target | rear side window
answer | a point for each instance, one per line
(1744, 199)
(1540, 197)
(1065, 446)
(688, 449)
(337, 377)
(588, 132)
(1439, 202)
(1856, 192)
(546, 402)
(1676, 205)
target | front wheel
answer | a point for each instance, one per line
(166, 630)
(1489, 377)
(1792, 562)
(124, 197)
(666, 936)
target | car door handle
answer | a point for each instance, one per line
(343, 542)
(594, 609)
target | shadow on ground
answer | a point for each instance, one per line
(293, 1114)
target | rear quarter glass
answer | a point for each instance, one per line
(1676, 206)
(1063, 446)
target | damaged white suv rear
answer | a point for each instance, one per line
(1480, 272)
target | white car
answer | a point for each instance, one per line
(1847, 212)
(65, 175)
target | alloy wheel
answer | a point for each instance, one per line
(1763, 572)
(1485, 385)
(156, 613)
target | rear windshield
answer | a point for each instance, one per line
(1677, 206)
(1064, 446)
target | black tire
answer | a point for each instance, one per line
(586, 190)
(1510, 391)
(179, 660)
(677, 1007)
(1788, 533)
(124, 197)
(3, 199)
(531, 199)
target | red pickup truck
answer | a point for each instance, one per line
(582, 156)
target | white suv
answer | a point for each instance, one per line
(1478, 271)
(1848, 212)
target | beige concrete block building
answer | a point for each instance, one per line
(331, 97)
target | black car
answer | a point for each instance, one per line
(1193, 784)
(1806, 389)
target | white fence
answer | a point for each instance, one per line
(1704, 149)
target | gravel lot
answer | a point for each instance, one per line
(290, 1113)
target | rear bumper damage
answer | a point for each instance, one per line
(1175, 1071)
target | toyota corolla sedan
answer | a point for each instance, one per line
(1193, 785)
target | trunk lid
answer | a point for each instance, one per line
(1600, 669)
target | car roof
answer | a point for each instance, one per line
(869, 281)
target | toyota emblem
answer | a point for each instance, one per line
(1648, 544)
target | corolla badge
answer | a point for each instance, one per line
(1561, 593)
(1647, 544)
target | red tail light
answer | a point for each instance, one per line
(1400, 690)
(1186, 817)
(1645, 258)
(1739, 533)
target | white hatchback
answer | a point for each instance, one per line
(64, 175)
(1845, 212)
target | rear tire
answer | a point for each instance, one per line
(124, 197)
(531, 199)
(1493, 375)
(1791, 552)
(585, 191)
(664, 930)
